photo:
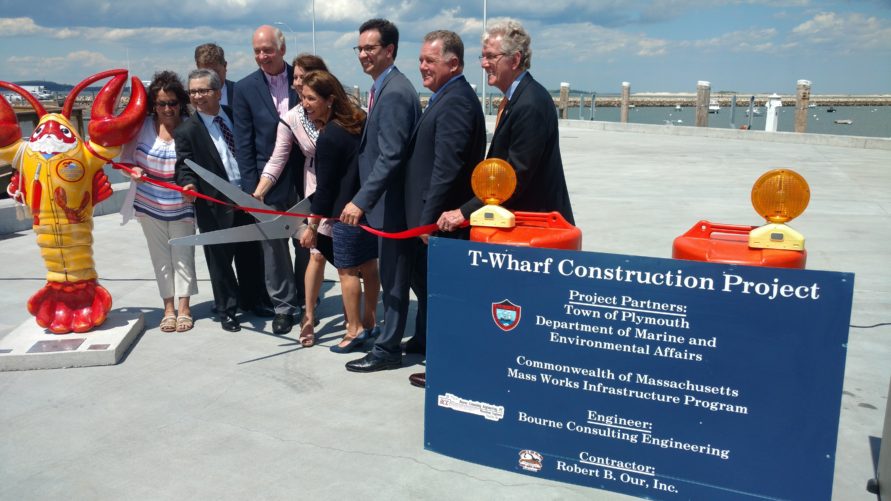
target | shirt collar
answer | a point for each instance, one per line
(380, 79)
(513, 86)
(438, 92)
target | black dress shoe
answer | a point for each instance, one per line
(419, 379)
(372, 363)
(229, 322)
(263, 311)
(282, 323)
(414, 347)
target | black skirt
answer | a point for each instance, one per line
(353, 246)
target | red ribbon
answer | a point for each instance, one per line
(399, 235)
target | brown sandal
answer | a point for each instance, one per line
(184, 323)
(307, 339)
(168, 323)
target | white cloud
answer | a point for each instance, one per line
(844, 32)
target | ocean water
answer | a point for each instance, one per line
(866, 120)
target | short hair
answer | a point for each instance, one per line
(279, 36)
(209, 54)
(309, 62)
(167, 81)
(514, 39)
(388, 31)
(451, 43)
(214, 79)
(344, 111)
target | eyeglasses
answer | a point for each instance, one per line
(200, 92)
(368, 49)
(166, 104)
(491, 58)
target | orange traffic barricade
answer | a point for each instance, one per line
(533, 229)
(729, 244)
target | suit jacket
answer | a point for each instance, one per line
(193, 142)
(337, 168)
(256, 121)
(230, 92)
(527, 138)
(382, 152)
(448, 142)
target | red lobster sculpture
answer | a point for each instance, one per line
(60, 178)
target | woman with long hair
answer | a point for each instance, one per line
(337, 167)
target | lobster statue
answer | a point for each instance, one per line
(60, 178)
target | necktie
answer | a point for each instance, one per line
(500, 110)
(370, 98)
(227, 134)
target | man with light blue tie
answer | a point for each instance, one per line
(393, 111)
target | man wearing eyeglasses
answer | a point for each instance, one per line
(206, 139)
(526, 134)
(393, 110)
(260, 99)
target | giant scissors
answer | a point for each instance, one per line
(267, 227)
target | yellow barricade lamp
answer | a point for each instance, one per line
(493, 181)
(779, 196)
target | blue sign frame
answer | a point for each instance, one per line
(657, 378)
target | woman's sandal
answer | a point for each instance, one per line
(184, 323)
(307, 339)
(168, 323)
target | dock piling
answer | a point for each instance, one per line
(802, 99)
(703, 94)
(626, 100)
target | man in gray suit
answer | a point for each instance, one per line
(393, 111)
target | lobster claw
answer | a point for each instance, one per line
(106, 129)
(10, 132)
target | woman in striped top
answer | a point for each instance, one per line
(162, 213)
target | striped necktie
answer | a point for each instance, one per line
(227, 134)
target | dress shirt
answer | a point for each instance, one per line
(513, 86)
(439, 91)
(230, 164)
(278, 88)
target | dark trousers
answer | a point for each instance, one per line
(403, 267)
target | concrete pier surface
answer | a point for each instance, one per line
(216, 415)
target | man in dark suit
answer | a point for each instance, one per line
(526, 134)
(393, 111)
(206, 139)
(210, 56)
(260, 99)
(447, 143)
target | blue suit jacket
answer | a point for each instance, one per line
(448, 142)
(528, 139)
(382, 152)
(256, 121)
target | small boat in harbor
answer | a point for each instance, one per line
(713, 106)
(677, 107)
(830, 109)
(846, 121)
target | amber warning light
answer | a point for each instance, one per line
(779, 196)
(493, 182)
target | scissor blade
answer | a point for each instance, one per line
(271, 230)
(233, 192)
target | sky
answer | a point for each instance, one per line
(746, 46)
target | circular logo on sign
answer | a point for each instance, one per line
(70, 170)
